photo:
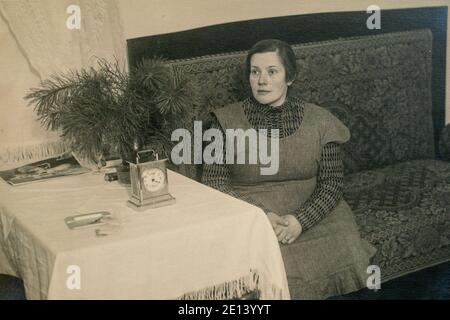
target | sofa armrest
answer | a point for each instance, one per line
(444, 143)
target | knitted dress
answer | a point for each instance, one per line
(329, 257)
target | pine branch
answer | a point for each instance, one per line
(106, 105)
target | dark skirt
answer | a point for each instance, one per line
(329, 259)
(326, 260)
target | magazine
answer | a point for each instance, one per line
(63, 165)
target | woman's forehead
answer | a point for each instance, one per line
(265, 60)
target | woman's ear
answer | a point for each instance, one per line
(290, 82)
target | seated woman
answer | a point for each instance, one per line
(321, 246)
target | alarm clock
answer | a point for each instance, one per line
(149, 183)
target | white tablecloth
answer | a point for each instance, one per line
(207, 245)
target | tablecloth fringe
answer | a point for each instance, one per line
(237, 289)
(31, 151)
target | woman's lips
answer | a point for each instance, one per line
(263, 92)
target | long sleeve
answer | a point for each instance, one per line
(329, 188)
(217, 176)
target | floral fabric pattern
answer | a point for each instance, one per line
(404, 211)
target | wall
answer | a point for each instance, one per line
(144, 18)
(16, 78)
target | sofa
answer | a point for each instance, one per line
(380, 87)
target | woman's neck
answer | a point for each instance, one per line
(270, 106)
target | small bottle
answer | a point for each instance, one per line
(136, 148)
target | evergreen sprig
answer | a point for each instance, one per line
(106, 105)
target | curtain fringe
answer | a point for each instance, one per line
(236, 289)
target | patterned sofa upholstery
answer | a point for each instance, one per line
(380, 87)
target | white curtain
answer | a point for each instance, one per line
(42, 36)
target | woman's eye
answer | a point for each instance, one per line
(272, 72)
(254, 72)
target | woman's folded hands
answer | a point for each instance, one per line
(287, 228)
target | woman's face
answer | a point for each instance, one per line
(268, 78)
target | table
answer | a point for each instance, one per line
(206, 246)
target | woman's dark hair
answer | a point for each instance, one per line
(284, 51)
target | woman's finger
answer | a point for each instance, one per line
(280, 237)
(274, 219)
(287, 236)
(283, 234)
(279, 220)
(277, 230)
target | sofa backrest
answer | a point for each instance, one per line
(379, 86)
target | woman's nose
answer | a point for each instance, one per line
(262, 78)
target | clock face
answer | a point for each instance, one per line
(153, 179)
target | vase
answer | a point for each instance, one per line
(123, 174)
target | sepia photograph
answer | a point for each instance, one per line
(224, 150)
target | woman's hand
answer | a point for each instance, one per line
(291, 232)
(278, 223)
